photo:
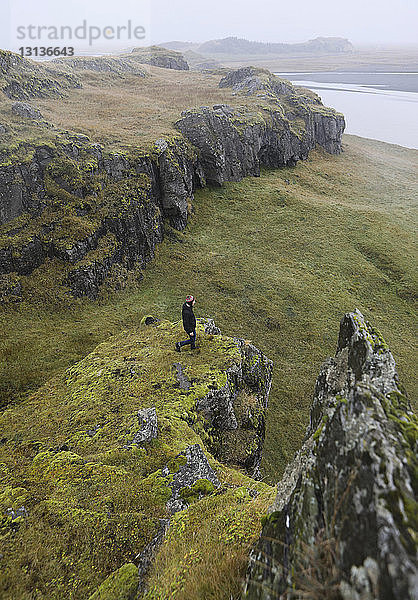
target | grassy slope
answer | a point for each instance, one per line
(277, 260)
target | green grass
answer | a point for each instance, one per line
(277, 260)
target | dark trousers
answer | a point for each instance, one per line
(191, 341)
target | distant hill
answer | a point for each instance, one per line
(234, 45)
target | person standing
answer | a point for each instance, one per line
(189, 324)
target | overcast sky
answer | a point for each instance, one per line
(361, 21)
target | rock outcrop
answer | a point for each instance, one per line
(161, 57)
(234, 143)
(148, 426)
(102, 64)
(22, 79)
(98, 462)
(345, 515)
(118, 205)
(251, 80)
(25, 110)
(114, 205)
(234, 414)
(193, 480)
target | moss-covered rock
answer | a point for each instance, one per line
(344, 518)
(121, 585)
(102, 64)
(21, 78)
(304, 114)
(93, 493)
(279, 132)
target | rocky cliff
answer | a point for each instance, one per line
(91, 210)
(344, 521)
(97, 463)
(94, 213)
(234, 143)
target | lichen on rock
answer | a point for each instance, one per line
(192, 480)
(351, 490)
(148, 426)
(279, 131)
(21, 78)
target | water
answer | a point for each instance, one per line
(381, 106)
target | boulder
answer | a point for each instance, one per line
(183, 381)
(149, 320)
(210, 327)
(27, 111)
(148, 426)
(185, 482)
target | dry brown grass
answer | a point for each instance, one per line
(128, 110)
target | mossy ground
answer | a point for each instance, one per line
(121, 585)
(92, 499)
(218, 530)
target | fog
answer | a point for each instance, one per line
(361, 21)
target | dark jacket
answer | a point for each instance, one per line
(189, 320)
